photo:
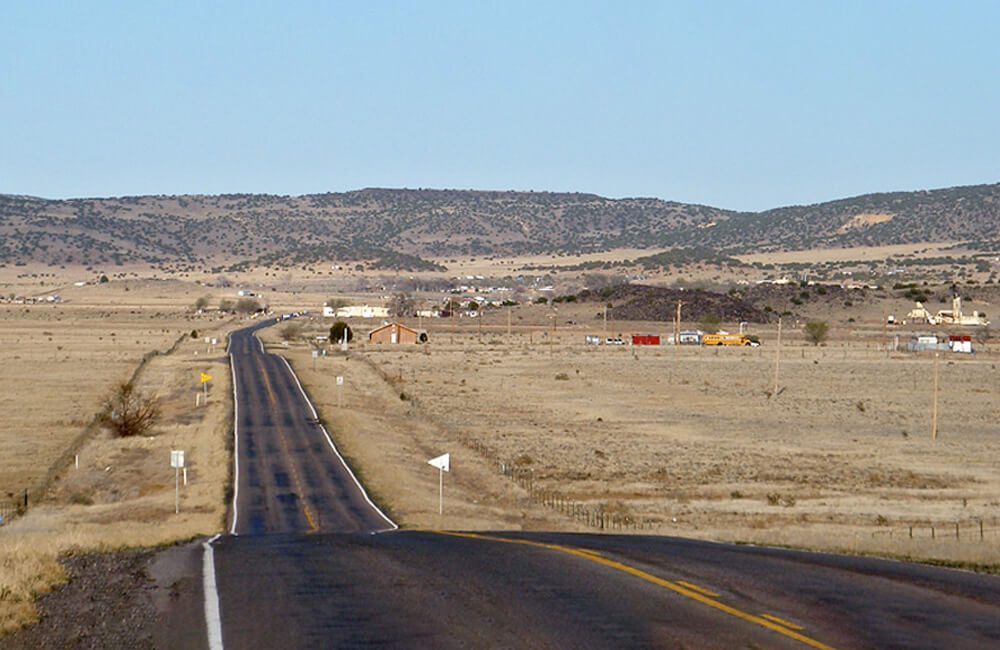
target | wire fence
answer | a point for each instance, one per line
(12, 507)
(596, 516)
(969, 530)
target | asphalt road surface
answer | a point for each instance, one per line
(310, 563)
(290, 478)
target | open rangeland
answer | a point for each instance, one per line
(686, 441)
(545, 432)
(59, 360)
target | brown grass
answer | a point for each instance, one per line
(122, 493)
(687, 440)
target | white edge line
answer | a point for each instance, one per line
(236, 447)
(213, 619)
(329, 440)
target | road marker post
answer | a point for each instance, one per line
(340, 391)
(443, 464)
(177, 462)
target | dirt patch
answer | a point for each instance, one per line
(864, 220)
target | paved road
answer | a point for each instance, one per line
(307, 568)
(290, 479)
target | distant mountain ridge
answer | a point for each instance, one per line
(400, 228)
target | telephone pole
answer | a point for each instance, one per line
(934, 409)
(777, 359)
(677, 323)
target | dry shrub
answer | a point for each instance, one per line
(128, 412)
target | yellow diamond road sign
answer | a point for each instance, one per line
(205, 378)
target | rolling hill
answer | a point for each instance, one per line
(403, 229)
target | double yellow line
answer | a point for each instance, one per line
(296, 479)
(681, 587)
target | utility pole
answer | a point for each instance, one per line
(934, 409)
(605, 319)
(677, 324)
(552, 334)
(508, 320)
(777, 359)
(480, 320)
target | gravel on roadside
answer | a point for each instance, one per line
(107, 603)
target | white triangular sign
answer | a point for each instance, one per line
(441, 462)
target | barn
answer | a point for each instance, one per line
(393, 333)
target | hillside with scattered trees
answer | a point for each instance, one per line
(405, 229)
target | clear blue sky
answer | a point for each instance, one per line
(744, 105)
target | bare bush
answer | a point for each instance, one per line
(291, 332)
(401, 305)
(247, 306)
(128, 412)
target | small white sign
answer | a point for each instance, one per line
(441, 462)
(315, 354)
(340, 380)
(208, 339)
(215, 341)
(176, 458)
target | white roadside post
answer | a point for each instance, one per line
(340, 390)
(315, 355)
(443, 463)
(343, 342)
(177, 462)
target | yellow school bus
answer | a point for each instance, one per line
(728, 339)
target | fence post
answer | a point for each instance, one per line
(911, 532)
(956, 531)
(980, 529)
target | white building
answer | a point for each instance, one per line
(356, 311)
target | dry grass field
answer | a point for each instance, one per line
(58, 361)
(674, 441)
(856, 253)
(686, 441)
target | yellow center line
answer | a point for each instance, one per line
(675, 587)
(781, 621)
(699, 589)
(296, 479)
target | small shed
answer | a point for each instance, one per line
(960, 343)
(393, 333)
(645, 339)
